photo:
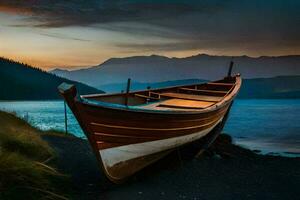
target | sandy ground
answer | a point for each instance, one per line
(225, 172)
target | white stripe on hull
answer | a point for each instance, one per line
(115, 155)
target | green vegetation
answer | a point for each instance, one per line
(19, 81)
(25, 172)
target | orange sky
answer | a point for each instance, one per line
(72, 41)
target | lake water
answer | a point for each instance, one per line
(266, 125)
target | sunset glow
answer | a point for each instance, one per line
(57, 37)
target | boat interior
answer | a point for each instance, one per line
(186, 97)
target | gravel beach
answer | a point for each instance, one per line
(225, 171)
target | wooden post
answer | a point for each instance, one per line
(66, 118)
(127, 91)
(230, 69)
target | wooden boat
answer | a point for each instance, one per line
(131, 130)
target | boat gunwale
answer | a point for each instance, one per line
(113, 106)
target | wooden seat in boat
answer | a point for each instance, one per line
(146, 97)
(191, 97)
(185, 104)
(204, 91)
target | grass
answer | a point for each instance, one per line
(24, 172)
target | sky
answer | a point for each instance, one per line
(81, 33)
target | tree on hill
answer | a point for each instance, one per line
(19, 81)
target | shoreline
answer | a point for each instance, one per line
(225, 171)
(265, 146)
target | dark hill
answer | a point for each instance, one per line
(280, 87)
(271, 88)
(20, 81)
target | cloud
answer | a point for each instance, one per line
(184, 25)
(62, 36)
(57, 13)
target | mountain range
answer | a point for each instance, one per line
(135, 86)
(19, 81)
(151, 69)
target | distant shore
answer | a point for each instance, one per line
(225, 171)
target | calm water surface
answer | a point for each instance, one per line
(266, 125)
(45, 115)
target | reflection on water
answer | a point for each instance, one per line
(269, 146)
(266, 125)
